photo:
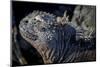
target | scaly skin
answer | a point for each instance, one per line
(53, 40)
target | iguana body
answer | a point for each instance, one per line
(55, 41)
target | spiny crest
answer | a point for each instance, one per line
(63, 20)
(37, 12)
(44, 17)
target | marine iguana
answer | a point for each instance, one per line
(53, 37)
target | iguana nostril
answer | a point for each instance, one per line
(26, 21)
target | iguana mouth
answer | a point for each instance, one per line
(29, 36)
(25, 33)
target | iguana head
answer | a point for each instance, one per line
(38, 26)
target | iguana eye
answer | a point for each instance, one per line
(43, 29)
